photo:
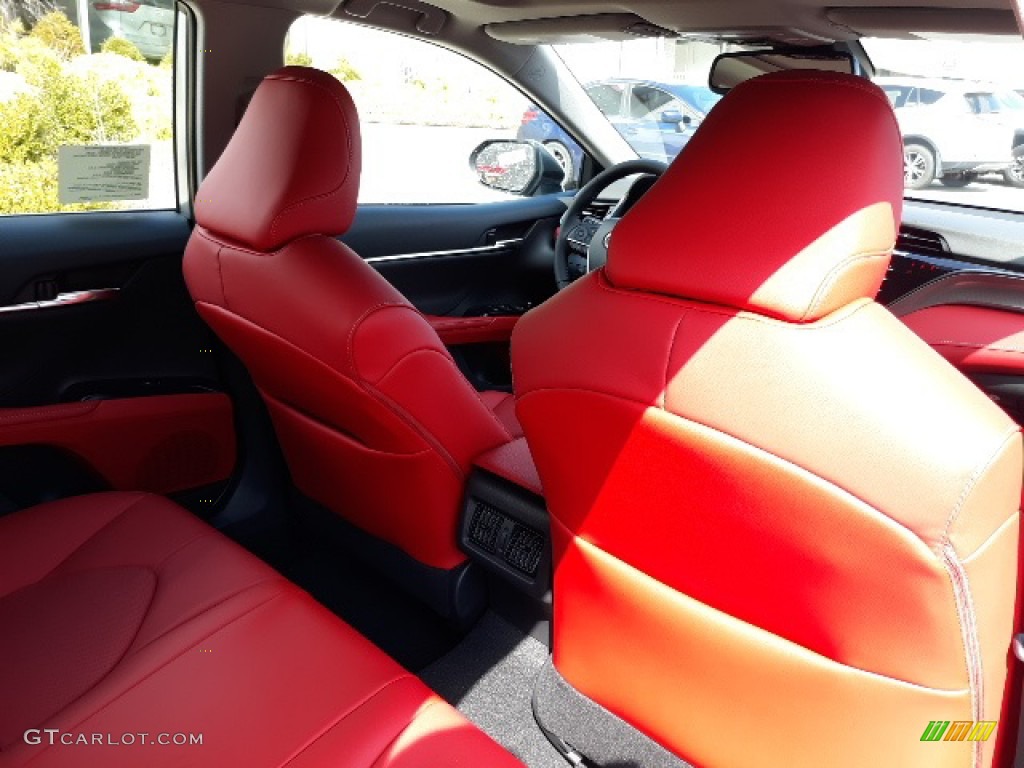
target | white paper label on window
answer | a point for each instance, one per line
(90, 174)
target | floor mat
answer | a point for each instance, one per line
(489, 678)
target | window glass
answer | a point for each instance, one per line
(963, 134)
(422, 111)
(86, 106)
(956, 101)
(608, 98)
(665, 78)
(645, 102)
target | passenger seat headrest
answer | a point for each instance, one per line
(786, 202)
(292, 167)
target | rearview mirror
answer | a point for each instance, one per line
(730, 69)
(518, 166)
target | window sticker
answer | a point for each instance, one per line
(89, 174)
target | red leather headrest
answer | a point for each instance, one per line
(292, 167)
(785, 202)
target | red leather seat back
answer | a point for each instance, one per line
(375, 419)
(785, 529)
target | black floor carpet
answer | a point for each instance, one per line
(489, 678)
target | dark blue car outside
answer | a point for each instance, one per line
(655, 118)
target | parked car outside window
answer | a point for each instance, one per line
(655, 118)
(953, 130)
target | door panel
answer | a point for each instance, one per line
(161, 444)
(125, 389)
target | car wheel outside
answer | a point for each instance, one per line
(918, 166)
(1014, 175)
(564, 158)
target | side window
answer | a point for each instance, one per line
(608, 98)
(87, 110)
(645, 102)
(928, 95)
(898, 95)
(422, 111)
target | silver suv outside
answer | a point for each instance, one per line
(950, 130)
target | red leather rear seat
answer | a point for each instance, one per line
(122, 614)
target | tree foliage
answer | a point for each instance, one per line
(57, 33)
(345, 72)
(298, 60)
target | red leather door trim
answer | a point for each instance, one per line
(160, 444)
(974, 339)
(472, 330)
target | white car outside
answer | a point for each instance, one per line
(949, 131)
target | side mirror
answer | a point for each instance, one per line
(730, 69)
(673, 117)
(518, 166)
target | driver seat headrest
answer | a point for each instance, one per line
(786, 202)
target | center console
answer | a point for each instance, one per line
(505, 527)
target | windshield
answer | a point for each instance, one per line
(959, 105)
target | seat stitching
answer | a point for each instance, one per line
(139, 496)
(581, 540)
(966, 616)
(707, 308)
(207, 609)
(738, 439)
(832, 277)
(972, 483)
(167, 663)
(401, 731)
(337, 103)
(350, 711)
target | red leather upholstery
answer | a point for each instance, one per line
(123, 614)
(778, 263)
(513, 462)
(376, 421)
(785, 529)
(160, 444)
(975, 339)
(472, 330)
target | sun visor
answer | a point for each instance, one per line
(576, 29)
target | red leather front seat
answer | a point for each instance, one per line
(375, 420)
(785, 529)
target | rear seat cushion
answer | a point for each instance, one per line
(122, 613)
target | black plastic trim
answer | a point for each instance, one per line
(524, 514)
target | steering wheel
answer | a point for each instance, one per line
(582, 242)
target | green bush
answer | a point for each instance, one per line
(33, 188)
(10, 38)
(58, 34)
(167, 62)
(346, 72)
(28, 187)
(298, 60)
(122, 47)
(65, 109)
